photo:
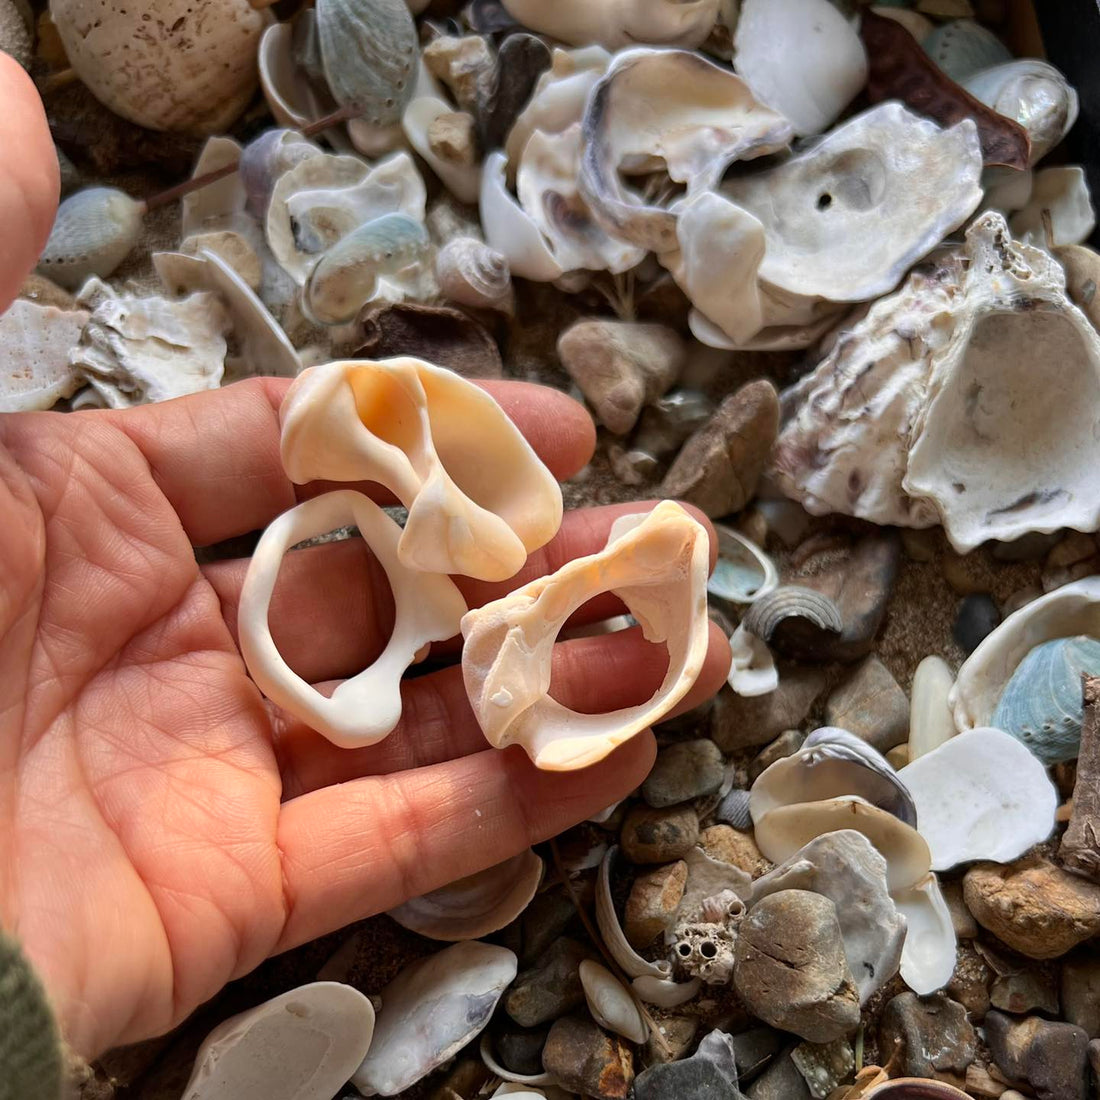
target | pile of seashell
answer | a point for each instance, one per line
(819, 269)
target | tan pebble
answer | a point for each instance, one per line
(898, 756)
(452, 136)
(1075, 547)
(730, 845)
(980, 1083)
(962, 920)
(1021, 598)
(920, 544)
(37, 288)
(753, 524)
(652, 904)
(963, 573)
(1064, 812)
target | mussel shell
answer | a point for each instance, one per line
(743, 572)
(369, 50)
(1042, 705)
(796, 621)
(93, 233)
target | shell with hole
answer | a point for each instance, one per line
(657, 564)
(616, 23)
(907, 442)
(35, 341)
(427, 608)
(479, 498)
(189, 66)
(476, 905)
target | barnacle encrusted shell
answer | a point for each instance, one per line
(184, 65)
(657, 564)
(369, 52)
(427, 608)
(1042, 704)
(35, 342)
(479, 498)
(616, 23)
(473, 274)
(476, 905)
(673, 110)
(93, 233)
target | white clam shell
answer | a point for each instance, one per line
(93, 232)
(657, 563)
(302, 1045)
(616, 23)
(430, 1011)
(476, 905)
(427, 608)
(35, 342)
(930, 720)
(610, 1002)
(510, 229)
(479, 498)
(930, 951)
(981, 795)
(831, 65)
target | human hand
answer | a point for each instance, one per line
(164, 829)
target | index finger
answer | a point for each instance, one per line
(215, 455)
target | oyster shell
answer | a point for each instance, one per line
(831, 64)
(674, 110)
(657, 564)
(479, 498)
(35, 342)
(616, 23)
(427, 608)
(476, 905)
(93, 232)
(183, 70)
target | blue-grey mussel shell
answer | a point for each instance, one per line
(1042, 704)
(369, 51)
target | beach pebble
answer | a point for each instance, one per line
(587, 1060)
(962, 920)
(977, 616)
(1027, 989)
(1048, 1056)
(780, 1081)
(551, 988)
(677, 1035)
(742, 722)
(824, 1065)
(1034, 906)
(632, 467)
(735, 846)
(871, 705)
(790, 967)
(787, 743)
(920, 544)
(652, 903)
(926, 1036)
(1081, 992)
(1029, 547)
(686, 770)
(665, 424)
(521, 1051)
(755, 1049)
(718, 468)
(710, 1071)
(659, 836)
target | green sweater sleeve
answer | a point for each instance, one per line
(30, 1046)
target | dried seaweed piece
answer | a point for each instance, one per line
(900, 69)
(1080, 849)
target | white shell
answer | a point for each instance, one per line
(93, 232)
(845, 220)
(485, 1048)
(657, 564)
(801, 57)
(664, 992)
(35, 342)
(610, 1003)
(476, 905)
(162, 63)
(930, 720)
(1064, 613)
(510, 229)
(462, 180)
(630, 962)
(674, 110)
(216, 205)
(472, 274)
(752, 667)
(981, 795)
(616, 23)
(928, 957)
(845, 867)
(287, 91)
(302, 1045)
(430, 1011)
(479, 498)
(750, 573)
(135, 350)
(1063, 193)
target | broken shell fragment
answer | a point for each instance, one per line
(831, 67)
(485, 1049)
(35, 342)
(846, 219)
(302, 1045)
(752, 669)
(290, 96)
(670, 109)
(981, 795)
(479, 498)
(510, 229)
(430, 1011)
(476, 905)
(963, 47)
(473, 274)
(94, 231)
(1059, 211)
(427, 608)
(743, 572)
(610, 1003)
(616, 23)
(614, 938)
(461, 176)
(657, 564)
(795, 620)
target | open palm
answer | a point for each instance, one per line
(162, 829)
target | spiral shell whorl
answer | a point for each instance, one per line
(473, 274)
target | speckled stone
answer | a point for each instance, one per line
(652, 903)
(681, 772)
(926, 1036)
(659, 836)
(587, 1060)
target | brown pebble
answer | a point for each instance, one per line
(652, 904)
(659, 836)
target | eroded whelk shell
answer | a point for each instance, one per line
(430, 1011)
(391, 249)
(616, 23)
(302, 1045)
(657, 564)
(35, 342)
(476, 905)
(673, 110)
(795, 620)
(427, 608)
(94, 231)
(163, 64)
(471, 273)
(479, 498)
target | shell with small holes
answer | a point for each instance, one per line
(93, 233)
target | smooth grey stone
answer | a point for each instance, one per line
(977, 617)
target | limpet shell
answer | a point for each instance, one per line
(93, 233)
(1041, 704)
(369, 51)
(795, 620)
(743, 572)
